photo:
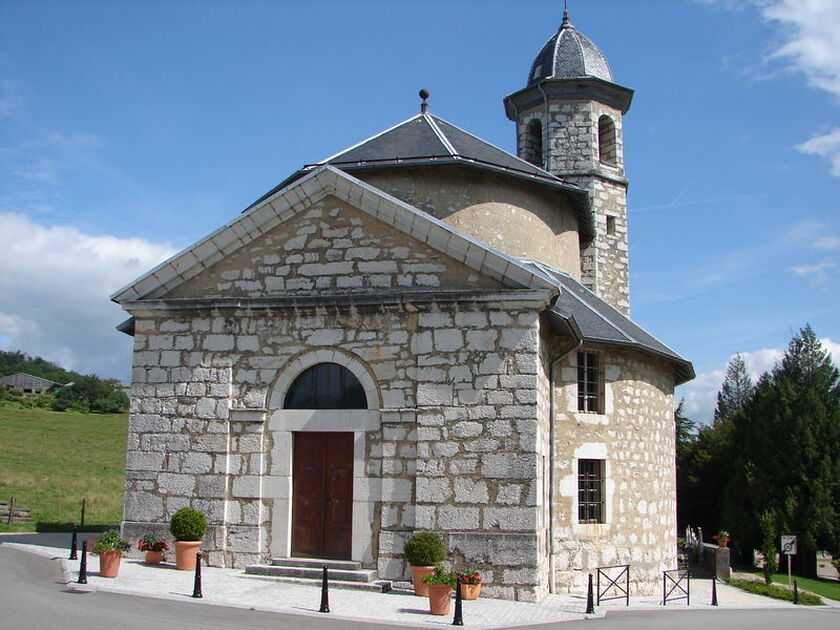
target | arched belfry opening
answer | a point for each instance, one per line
(607, 147)
(533, 143)
(326, 386)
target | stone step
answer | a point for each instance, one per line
(312, 573)
(348, 565)
(380, 586)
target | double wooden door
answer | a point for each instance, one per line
(322, 495)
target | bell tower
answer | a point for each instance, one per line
(569, 122)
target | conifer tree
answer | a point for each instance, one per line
(736, 390)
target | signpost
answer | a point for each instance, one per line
(789, 549)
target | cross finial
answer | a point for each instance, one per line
(424, 106)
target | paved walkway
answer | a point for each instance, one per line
(231, 587)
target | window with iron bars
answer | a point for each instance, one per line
(589, 382)
(591, 490)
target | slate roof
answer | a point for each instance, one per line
(426, 139)
(599, 322)
(569, 54)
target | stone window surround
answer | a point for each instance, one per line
(282, 423)
(591, 450)
(600, 376)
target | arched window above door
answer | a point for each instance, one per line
(326, 386)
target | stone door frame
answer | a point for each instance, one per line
(282, 423)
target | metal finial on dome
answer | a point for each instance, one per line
(424, 106)
(566, 23)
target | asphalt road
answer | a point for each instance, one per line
(34, 597)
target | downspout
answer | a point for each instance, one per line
(552, 431)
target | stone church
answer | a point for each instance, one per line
(421, 332)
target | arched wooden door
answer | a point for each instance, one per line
(322, 465)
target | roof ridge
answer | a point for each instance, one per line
(368, 139)
(516, 157)
(439, 133)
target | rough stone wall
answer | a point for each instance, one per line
(571, 128)
(455, 447)
(635, 436)
(515, 218)
(331, 247)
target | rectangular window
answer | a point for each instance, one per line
(589, 382)
(610, 224)
(591, 490)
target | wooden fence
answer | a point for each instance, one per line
(10, 513)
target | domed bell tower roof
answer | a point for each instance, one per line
(569, 54)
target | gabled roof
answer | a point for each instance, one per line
(284, 204)
(599, 322)
(424, 140)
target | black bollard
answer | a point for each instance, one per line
(714, 591)
(590, 598)
(795, 591)
(325, 592)
(197, 584)
(83, 565)
(459, 606)
(73, 542)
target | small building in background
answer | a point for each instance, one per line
(29, 384)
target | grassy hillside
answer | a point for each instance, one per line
(50, 460)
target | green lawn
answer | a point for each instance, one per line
(826, 588)
(50, 461)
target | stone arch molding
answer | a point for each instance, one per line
(324, 420)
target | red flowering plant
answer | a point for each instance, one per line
(150, 542)
(470, 577)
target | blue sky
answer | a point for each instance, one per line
(128, 130)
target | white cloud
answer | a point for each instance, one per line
(828, 242)
(54, 288)
(701, 393)
(809, 270)
(807, 43)
(810, 38)
(826, 146)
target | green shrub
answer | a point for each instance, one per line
(776, 592)
(188, 524)
(442, 576)
(109, 540)
(424, 549)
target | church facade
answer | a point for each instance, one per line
(422, 332)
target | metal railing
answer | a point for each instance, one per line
(676, 585)
(617, 578)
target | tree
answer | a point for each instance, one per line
(786, 447)
(737, 389)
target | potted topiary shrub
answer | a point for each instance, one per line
(722, 538)
(470, 584)
(423, 551)
(153, 548)
(440, 583)
(110, 548)
(188, 526)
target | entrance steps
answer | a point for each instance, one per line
(342, 573)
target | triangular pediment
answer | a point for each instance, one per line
(278, 230)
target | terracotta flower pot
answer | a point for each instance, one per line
(109, 563)
(470, 591)
(185, 551)
(153, 557)
(723, 542)
(440, 596)
(417, 573)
